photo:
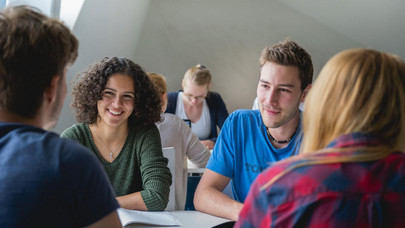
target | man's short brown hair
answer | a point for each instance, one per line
(289, 53)
(33, 49)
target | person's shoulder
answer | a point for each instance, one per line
(173, 124)
(74, 155)
(62, 149)
(19, 129)
(171, 117)
(245, 113)
(79, 127)
(242, 117)
(142, 127)
(143, 130)
(75, 131)
(172, 94)
(274, 170)
(172, 102)
(73, 147)
(213, 93)
(215, 96)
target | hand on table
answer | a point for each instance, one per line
(208, 143)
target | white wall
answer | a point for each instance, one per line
(44, 5)
(227, 36)
(69, 11)
(104, 28)
(375, 24)
(169, 36)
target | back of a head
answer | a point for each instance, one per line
(198, 74)
(358, 90)
(33, 49)
(289, 53)
(159, 81)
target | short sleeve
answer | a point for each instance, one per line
(222, 158)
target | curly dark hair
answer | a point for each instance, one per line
(89, 85)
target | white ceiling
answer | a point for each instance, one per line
(373, 23)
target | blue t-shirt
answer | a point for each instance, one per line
(46, 181)
(243, 150)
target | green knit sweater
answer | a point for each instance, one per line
(140, 166)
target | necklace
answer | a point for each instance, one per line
(105, 146)
(280, 141)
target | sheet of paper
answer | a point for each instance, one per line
(162, 218)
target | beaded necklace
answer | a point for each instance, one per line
(280, 141)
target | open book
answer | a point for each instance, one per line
(162, 218)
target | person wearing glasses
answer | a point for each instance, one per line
(117, 106)
(174, 132)
(351, 168)
(251, 140)
(195, 103)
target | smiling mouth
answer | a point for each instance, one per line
(271, 112)
(114, 112)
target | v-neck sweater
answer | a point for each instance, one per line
(139, 167)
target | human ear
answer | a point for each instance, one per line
(51, 92)
(164, 102)
(305, 92)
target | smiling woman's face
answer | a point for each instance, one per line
(118, 100)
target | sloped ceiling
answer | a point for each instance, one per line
(372, 23)
(227, 36)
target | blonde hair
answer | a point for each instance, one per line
(198, 74)
(358, 90)
(159, 81)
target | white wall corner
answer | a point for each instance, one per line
(69, 11)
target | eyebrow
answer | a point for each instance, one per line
(280, 85)
(107, 88)
(202, 95)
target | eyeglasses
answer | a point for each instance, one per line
(190, 97)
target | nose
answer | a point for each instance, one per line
(117, 101)
(272, 97)
(194, 100)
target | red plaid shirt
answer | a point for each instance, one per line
(361, 194)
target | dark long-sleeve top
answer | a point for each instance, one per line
(217, 107)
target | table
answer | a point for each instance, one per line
(191, 219)
(192, 171)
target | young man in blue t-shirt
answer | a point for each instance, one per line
(45, 181)
(251, 140)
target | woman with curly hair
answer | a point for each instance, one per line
(117, 106)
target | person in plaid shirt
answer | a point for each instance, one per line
(351, 167)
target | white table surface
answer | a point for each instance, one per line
(191, 219)
(195, 170)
